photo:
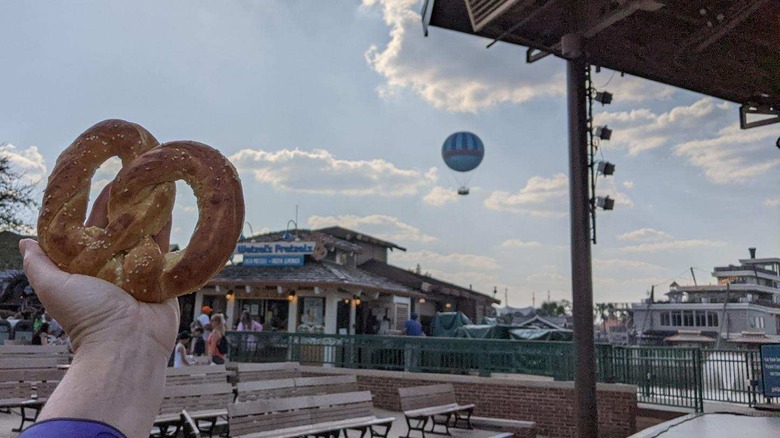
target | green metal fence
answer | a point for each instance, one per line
(671, 376)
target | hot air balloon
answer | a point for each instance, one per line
(462, 152)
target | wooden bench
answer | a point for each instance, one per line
(422, 404)
(201, 390)
(320, 415)
(59, 352)
(196, 375)
(249, 372)
(205, 403)
(281, 388)
(28, 390)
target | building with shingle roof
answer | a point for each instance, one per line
(331, 280)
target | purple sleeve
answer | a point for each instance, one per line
(71, 428)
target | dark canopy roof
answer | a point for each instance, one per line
(729, 49)
(351, 236)
(422, 282)
(311, 274)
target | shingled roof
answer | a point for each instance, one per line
(328, 240)
(323, 274)
(351, 236)
(421, 282)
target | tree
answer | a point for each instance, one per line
(554, 308)
(15, 195)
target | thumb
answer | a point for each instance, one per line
(44, 276)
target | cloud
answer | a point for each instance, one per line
(29, 162)
(543, 197)
(440, 196)
(384, 227)
(641, 130)
(673, 245)
(645, 235)
(548, 279)
(320, 172)
(451, 262)
(515, 243)
(696, 133)
(623, 264)
(628, 184)
(772, 202)
(733, 156)
(454, 72)
(631, 88)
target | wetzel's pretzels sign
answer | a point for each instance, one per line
(139, 206)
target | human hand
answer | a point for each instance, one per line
(121, 345)
(93, 311)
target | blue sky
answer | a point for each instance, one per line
(341, 107)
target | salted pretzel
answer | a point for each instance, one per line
(139, 206)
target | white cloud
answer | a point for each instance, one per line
(320, 172)
(772, 202)
(440, 196)
(696, 132)
(640, 130)
(628, 184)
(451, 262)
(544, 197)
(645, 235)
(673, 245)
(623, 264)
(548, 279)
(454, 72)
(631, 88)
(733, 156)
(515, 243)
(384, 227)
(29, 162)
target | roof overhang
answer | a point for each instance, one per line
(729, 49)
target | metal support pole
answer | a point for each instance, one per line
(579, 198)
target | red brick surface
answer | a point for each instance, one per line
(549, 404)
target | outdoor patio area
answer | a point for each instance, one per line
(10, 421)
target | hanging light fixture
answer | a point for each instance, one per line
(603, 132)
(603, 97)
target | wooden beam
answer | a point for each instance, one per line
(740, 14)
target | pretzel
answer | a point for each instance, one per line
(139, 206)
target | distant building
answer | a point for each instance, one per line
(332, 280)
(745, 298)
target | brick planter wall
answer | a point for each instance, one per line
(549, 404)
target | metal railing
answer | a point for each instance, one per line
(671, 376)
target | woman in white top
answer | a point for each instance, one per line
(180, 358)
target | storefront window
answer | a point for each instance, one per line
(272, 314)
(311, 314)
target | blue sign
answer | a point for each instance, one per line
(275, 248)
(273, 261)
(770, 369)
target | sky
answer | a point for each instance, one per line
(340, 108)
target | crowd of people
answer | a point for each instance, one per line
(45, 329)
(205, 342)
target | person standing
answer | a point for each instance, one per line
(216, 343)
(199, 344)
(41, 335)
(180, 358)
(205, 316)
(246, 323)
(413, 326)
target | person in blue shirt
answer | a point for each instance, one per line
(413, 326)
